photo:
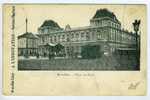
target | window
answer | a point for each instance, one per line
(82, 34)
(77, 35)
(43, 40)
(105, 23)
(55, 39)
(51, 39)
(45, 31)
(109, 23)
(110, 36)
(117, 36)
(102, 23)
(42, 31)
(113, 35)
(58, 37)
(46, 38)
(99, 36)
(87, 36)
(93, 34)
(68, 39)
(63, 36)
(72, 35)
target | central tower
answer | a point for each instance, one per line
(104, 17)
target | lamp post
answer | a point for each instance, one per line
(27, 52)
(136, 25)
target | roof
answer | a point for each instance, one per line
(50, 23)
(28, 35)
(100, 13)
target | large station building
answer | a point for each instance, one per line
(104, 32)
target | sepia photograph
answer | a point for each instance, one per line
(69, 38)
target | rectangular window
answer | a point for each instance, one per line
(93, 35)
(99, 36)
(55, 39)
(63, 36)
(109, 23)
(51, 39)
(43, 40)
(114, 35)
(87, 36)
(72, 35)
(77, 35)
(59, 38)
(82, 34)
(110, 35)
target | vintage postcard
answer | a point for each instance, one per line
(74, 49)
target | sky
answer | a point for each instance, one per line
(74, 15)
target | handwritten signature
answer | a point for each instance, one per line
(133, 86)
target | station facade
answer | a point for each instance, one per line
(104, 31)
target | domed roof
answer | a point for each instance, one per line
(104, 13)
(50, 23)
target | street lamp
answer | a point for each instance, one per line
(27, 52)
(136, 25)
